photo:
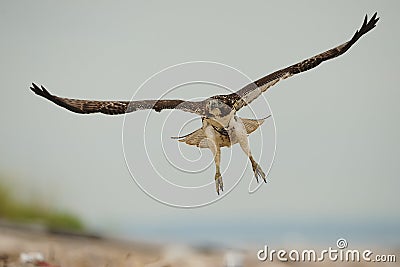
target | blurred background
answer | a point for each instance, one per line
(336, 167)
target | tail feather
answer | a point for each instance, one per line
(198, 137)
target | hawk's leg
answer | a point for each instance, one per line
(216, 150)
(241, 135)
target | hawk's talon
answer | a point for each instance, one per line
(258, 172)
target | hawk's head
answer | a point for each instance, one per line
(217, 108)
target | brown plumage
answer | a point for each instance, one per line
(235, 100)
(251, 91)
(221, 127)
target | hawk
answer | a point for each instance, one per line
(220, 125)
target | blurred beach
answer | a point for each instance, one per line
(79, 250)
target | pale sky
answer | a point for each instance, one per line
(337, 125)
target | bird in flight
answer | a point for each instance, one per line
(220, 125)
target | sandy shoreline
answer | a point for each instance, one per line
(82, 250)
(64, 250)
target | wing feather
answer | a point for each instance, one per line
(251, 91)
(118, 107)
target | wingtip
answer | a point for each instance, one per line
(44, 90)
(34, 88)
(367, 25)
(374, 19)
(365, 20)
(40, 90)
(374, 16)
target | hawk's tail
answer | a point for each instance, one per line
(198, 137)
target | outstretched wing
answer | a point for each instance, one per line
(118, 107)
(251, 91)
